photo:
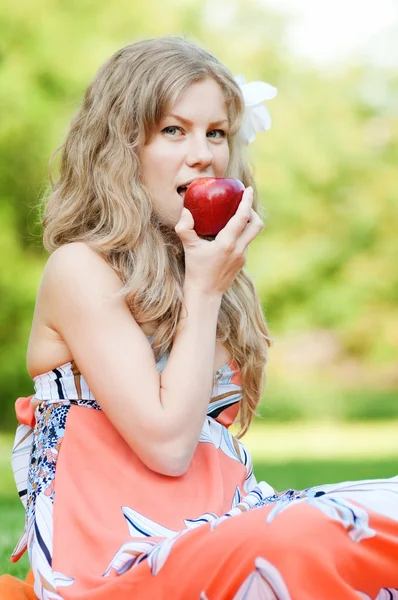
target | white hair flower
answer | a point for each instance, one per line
(256, 117)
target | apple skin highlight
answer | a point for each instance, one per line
(212, 202)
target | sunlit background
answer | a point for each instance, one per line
(326, 264)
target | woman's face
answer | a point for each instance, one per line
(190, 142)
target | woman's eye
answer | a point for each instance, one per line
(220, 133)
(171, 129)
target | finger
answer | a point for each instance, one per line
(252, 229)
(240, 219)
(185, 228)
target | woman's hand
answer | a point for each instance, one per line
(211, 266)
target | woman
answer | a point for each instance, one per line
(147, 343)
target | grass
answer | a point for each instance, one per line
(294, 455)
(300, 455)
(292, 401)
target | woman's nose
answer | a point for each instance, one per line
(199, 152)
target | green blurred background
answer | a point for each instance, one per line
(326, 264)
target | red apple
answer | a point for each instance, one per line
(212, 202)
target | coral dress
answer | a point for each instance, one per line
(100, 525)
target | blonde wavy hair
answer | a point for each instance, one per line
(99, 198)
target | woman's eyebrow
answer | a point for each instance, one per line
(188, 122)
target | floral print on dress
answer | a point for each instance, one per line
(335, 502)
(141, 528)
(384, 594)
(40, 545)
(265, 583)
(354, 518)
(47, 439)
(215, 433)
(153, 550)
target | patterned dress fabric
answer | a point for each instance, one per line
(100, 525)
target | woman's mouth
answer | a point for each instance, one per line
(181, 190)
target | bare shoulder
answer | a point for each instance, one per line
(77, 283)
(77, 263)
(78, 256)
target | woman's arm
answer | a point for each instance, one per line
(187, 379)
(159, 417)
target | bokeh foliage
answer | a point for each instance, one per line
(326, 266)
